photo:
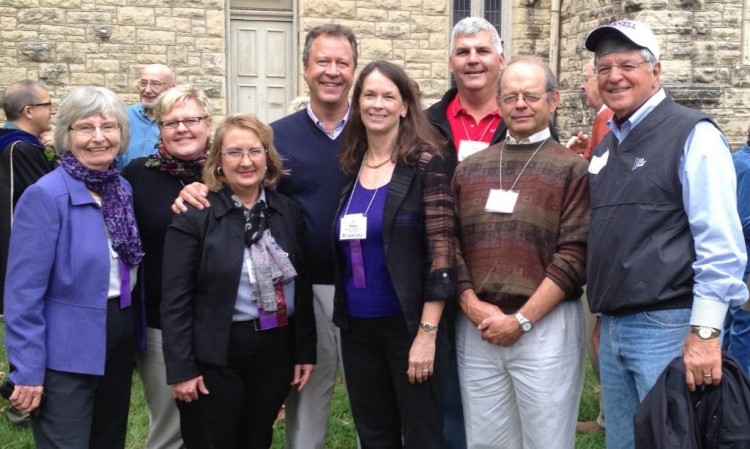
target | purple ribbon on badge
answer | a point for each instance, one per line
(125, 299)
(358, 263)
(270, 320)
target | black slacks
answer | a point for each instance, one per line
(389, 412)
(245, 395)
(87, 411)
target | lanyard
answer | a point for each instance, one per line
(466, 131)
(524, 167)
(346, 211)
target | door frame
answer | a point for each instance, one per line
(266, 16)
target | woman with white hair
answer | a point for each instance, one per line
(74, 248)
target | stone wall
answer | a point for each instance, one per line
(701, 56)
(68, 43)
(411, 33)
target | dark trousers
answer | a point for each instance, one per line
(455, 430)
(86, 411)
(245, 395)
(388, 411)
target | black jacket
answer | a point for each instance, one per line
(670, 417)
(436, 114)
(29, 164)
(203, 257)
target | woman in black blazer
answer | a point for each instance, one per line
(395, 263)
(237, 313)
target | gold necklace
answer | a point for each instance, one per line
(379, 164)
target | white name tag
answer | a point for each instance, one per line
(250, 272)
(501, 201)
(598, 162)
(353, 227)
(468, 147)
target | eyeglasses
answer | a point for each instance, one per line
(235, 154)
(105, 128)
(152, 83)
(605, 70)
(528, 97)
(188, 122)
(41, 105)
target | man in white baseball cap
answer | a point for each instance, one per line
(666, 253)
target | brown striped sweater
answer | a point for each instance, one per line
(504, 257)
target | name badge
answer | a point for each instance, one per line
(353, 227)
(501, 201)
(598, 162)
(279, 318)
(468, 147)
(250, 271)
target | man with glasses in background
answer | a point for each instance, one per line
(144, 131)
(23, 160)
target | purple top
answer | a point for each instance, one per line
(378, 298)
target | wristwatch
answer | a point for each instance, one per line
(427, 327)
(523, 323)
(705, 332)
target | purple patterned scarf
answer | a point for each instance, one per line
(271, 265)
(117, 210)
(187, 170)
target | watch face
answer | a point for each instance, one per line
(704, 333)
(526, 326)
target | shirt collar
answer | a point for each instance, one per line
(11, 125)
(144, 114)
(322, 126)
(534, 138)
(637, 117)
(455, 108)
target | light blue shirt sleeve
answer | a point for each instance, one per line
(709, 193)
(741, 159)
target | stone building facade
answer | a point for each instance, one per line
(65, 43)
(68, 43)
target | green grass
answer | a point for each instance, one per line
(340, 429)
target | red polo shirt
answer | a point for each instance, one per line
(464, 126)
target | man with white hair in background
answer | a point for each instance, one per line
(144, 131)
(584, 144)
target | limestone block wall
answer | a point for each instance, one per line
(68, 43)
(530, 28)
(411, 33)
(702, 56)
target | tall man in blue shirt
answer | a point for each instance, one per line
(666, 252)
(309, 141)
(144, 131)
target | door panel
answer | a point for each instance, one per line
(261, 62)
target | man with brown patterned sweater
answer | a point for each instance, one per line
(523, 211)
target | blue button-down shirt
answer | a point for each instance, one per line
(709, 193)
(144, 133)
(322, 126)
